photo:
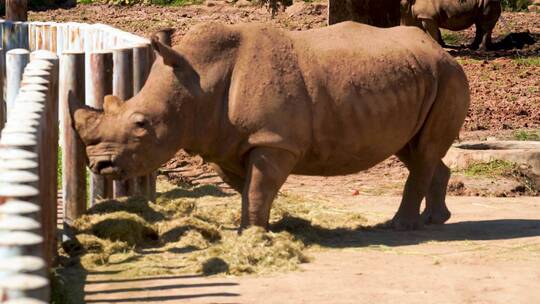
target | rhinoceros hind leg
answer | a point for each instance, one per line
(267, 170)
(436, 211)
(421, 171)
(477, 38)
(489, 19)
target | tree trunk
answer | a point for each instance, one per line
(381, 13)
(16, 10)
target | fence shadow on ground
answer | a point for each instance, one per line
(114, 289)
(378, 235)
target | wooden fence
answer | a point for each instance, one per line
(44, 66)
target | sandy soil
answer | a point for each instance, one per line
(489, 252)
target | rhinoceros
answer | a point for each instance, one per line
(455, 15)
(261, 103)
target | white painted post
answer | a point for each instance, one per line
(16, 60)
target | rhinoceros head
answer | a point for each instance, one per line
(133, 137)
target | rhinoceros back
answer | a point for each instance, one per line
(371, 90)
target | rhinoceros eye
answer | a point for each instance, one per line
(139, 120)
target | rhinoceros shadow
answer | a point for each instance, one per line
(513, 45)
(195, 192)
(380, 235)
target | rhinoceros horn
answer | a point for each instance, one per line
(86, 119)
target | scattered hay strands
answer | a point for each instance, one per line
(194, 230)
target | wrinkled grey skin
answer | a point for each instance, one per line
(455, 15)
(261, 103)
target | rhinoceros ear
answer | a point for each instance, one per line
(111, 104)
(170, 56)
(86, 121)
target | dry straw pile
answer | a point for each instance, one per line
(194, 230)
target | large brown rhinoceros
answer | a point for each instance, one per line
(455, 15)
(262, 103)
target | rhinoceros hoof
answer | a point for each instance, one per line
(402, 223)
(435, 218)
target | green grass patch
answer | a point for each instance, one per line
(528, 61)
(490, 169)
(515, 5)
(527, 135)
(451, 38)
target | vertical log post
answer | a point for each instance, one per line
(17, 10)
(165, 36)
(36, 93)
(73, 156)
(10, 36)
(141, 69)
(21, 239)
(23, 35)
(3, 114)
(16, 60)
(37, 67)
(101, 69)
(123, 89)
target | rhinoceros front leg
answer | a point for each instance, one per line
(267, 170)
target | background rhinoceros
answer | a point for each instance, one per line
(262, 103)
(455, 15)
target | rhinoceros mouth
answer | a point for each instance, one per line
(108, 168)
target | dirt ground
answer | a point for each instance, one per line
(505, 86)
(488, 253)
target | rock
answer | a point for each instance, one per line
(211, 3)
(534, 8)
(243, 3)
(296, 9)
(526, 153)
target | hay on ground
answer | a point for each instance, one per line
(195, 230)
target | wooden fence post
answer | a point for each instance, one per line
(3, 114)
(35, 91)
(73, 157)
(141, 69)
(16, 60)
(165, 36)
(123, 89)
(101, 70)
(38, 67)
(17, 10)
